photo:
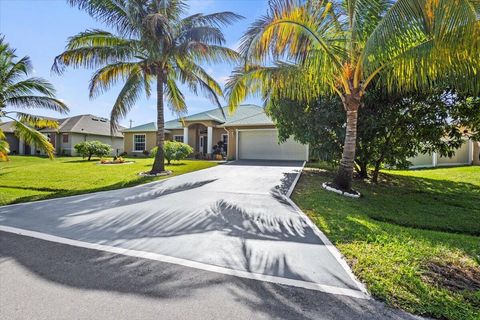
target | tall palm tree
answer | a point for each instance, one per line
(302, 49)
(30, 93)
(154, 42)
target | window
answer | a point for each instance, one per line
(225, 142)
(178, 138)
(65, 138)
(139, 142)
(225, 138)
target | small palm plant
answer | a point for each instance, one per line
(304, 49)
(21, 94)
(154, 43)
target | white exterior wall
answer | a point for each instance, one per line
(462, 156)
(73, 138)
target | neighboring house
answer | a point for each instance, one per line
(247, 134)
(467, 154)
(71, 131)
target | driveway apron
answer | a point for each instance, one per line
(233, 216)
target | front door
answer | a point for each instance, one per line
(203, 144)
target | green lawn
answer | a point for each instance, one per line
(26, 178)
(395, 241)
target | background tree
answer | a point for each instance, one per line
(339, 47)
(87, 149)
(25, 94)
(153, 44)
(391, 129)
(174, 150)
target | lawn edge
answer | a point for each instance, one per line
(339, 257)
(102, 191)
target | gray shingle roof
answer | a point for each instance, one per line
(86, 124)
(7, 127)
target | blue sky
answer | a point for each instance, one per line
(40, 28)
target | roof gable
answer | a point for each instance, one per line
(245, 115)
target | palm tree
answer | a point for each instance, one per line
(305, 49)
(153, 43)
(30, 93)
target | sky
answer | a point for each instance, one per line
(40, 29)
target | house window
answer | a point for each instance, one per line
(225, 138)
(65, 138)
(178, 138)
(225, 142)
(139, 142)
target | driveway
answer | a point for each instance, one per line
(231, 219)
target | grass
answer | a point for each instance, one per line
(413, 239)
(26, 178)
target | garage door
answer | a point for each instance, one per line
(263, 145)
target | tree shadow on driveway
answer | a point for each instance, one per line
(168, 284)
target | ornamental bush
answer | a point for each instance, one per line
(174, 151)
(87, 149)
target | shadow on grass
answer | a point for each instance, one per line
(59, 193)
(82, 161)
(422, 203)
(169, 165)
(35, 189)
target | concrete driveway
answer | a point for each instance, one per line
(232, 219)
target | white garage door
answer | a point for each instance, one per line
(263, 145)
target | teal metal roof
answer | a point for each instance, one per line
(245, 115)
(152, 127)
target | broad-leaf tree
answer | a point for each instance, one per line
(304, 49)
(154, 44)
(19, 94)
(402, 128)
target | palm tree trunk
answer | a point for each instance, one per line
(343, 179)
(159, 162)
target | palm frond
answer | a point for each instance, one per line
(281, 81)
(126, 99)
(37, 122)
(196, 78)
(19, 69)
(438, 42)
(33, 138)
(211, 54)
(203, 34)
(114, 13)
(175, 97)
(28, 87)
(218, 19)
(35, 102)
(4, 149)
(93, 57)
(106, 77)
(172, 9)
(96, 38)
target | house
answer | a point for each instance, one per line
(70, 131)
(467, 154)
(246, 134)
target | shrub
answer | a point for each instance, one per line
(174, 151)
(87, 149)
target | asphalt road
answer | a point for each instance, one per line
(46, 280)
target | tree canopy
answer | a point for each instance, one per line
(19, 95)
(153, 42)
(301, 50)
